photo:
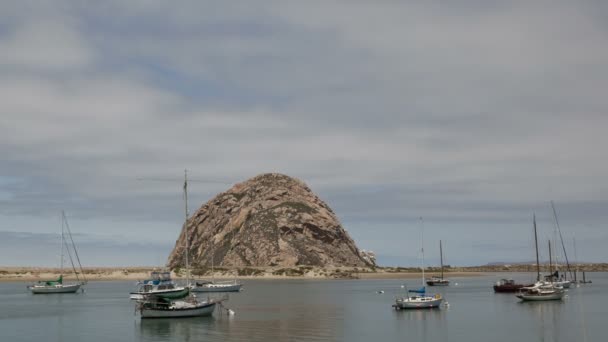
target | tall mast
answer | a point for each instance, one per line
(576, 259)
(441, 258)
(186, 232)
(536, 245)
(550, 263)
(422, 250)
(62, 241)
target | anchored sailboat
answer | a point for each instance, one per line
(438, 281)
(186, 305)
(419, 300)
(541, 290)
(57, 285)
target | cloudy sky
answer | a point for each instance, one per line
(471, 114)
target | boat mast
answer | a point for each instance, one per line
(550, 263)
(536, 245)
(422, 250)
(67, 226)
(187, 234)
(576, 259)
(441, 258)
(62, 242)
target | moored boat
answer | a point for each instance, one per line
(180, 304)
(53, 286)
(438, 281)
(213, 286)
(160, 283)
(541, 291)
(154, 306)
(508, 286)
(57, 286)
(420, 300)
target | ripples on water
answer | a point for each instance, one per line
(305, 310)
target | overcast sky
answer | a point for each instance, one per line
(471, 114)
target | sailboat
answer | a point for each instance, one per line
(541, 290)
(438, 281)
(215, 286)
(419, 299)
(188, 305)
(57, 285)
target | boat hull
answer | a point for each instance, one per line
(70, 288)
(539, 298)
(508, 288)
(216, 288)
(404, 304)
(167, 294)
(197, 311)
(438, 282)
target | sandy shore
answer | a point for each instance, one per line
(32, 274)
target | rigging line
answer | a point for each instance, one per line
(562, 240)
(72, 261)
(74, 246)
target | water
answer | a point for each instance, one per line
(306, 310)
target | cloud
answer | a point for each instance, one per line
(461, 113)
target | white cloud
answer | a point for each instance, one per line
(436, 109)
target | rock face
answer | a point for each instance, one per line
(269, 220)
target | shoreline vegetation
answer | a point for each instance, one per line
(297, 272)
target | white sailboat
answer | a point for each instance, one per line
(216, 286)
(57, 285)
(541, 290)
(159, 306)
(419, 299)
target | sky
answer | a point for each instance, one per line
(471, 114)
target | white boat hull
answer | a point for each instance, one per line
(195, 311)
(218, 288)
(44, 289)
(405, 303)
(543, 297)
(141, 294)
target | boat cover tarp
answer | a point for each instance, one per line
(420, 290)
(53, 282)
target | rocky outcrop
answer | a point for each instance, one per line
(269, 220)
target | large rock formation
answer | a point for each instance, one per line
(269, 220)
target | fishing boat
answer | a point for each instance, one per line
(541, 290)
(508, 286)
(160, 283)
(180, 305)
(57, 285)
(419, 299)
(438, 281)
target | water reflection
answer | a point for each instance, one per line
(546, 317)
(164, 329)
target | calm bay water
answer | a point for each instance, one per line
(306, 310)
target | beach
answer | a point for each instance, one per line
(140, 273)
